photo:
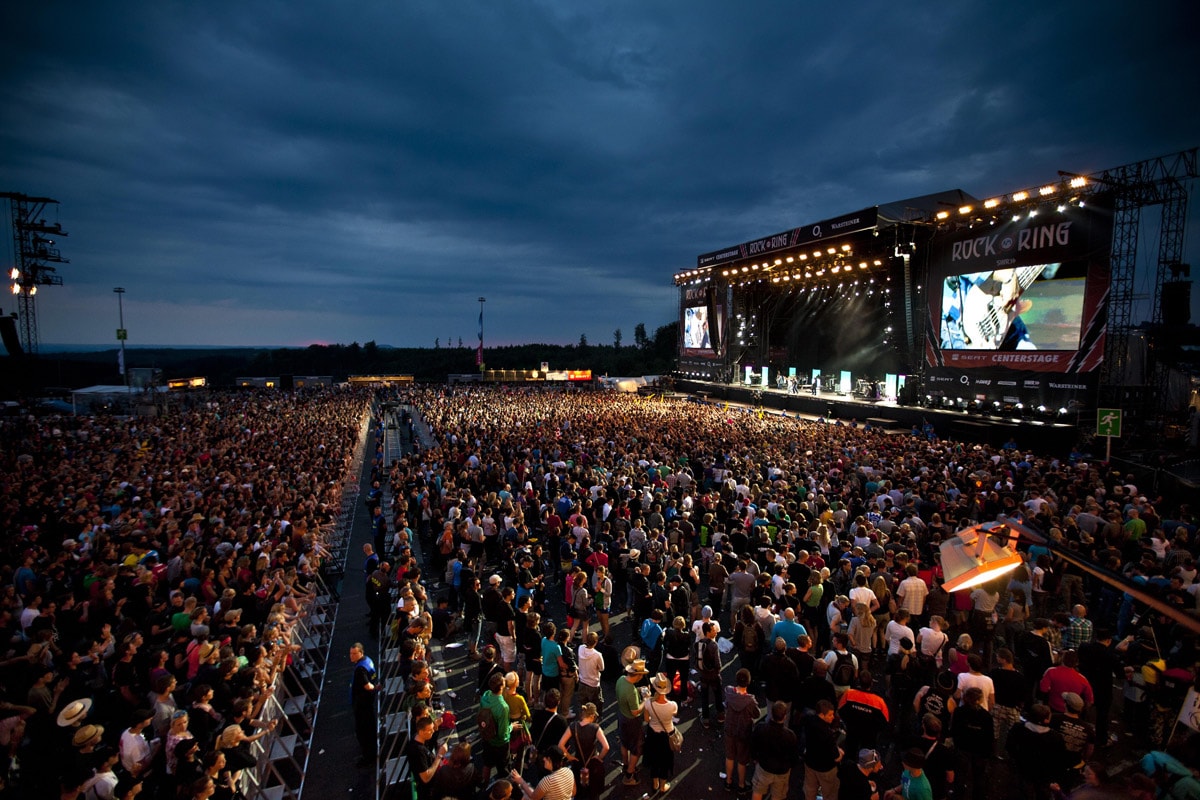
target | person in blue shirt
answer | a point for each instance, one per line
(788, 629)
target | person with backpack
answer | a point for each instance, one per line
(741, 712)
(843, 665)
(586, 746)
(494, 728)
(708, 663)
(748, 638)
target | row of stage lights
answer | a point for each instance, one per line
(832, 259)
(995, 408)
(1044, 193)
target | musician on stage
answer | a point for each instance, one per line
(982, 311)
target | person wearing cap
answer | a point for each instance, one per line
(1079, 738)
(630, 708)
(855, 776)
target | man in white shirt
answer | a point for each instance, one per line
(136, 753)
(896, 630)
(861, 593)
(591, 665)
(976, 678)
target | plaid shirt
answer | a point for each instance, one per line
(1077, 632)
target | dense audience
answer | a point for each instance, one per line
(153, 571)
(808, 551)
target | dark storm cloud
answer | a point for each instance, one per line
(281, 173)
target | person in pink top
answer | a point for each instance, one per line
(1065, 678)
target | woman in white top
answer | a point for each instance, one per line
(660, 713)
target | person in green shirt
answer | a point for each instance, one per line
(495, 750)
(914, 785)
(629, 725)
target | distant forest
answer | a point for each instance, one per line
(645, 355)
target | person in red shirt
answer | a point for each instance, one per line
(1065, 678)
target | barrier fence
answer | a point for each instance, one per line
(295, 699)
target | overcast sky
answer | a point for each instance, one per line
(283, 173)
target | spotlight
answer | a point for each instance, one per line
(991, 203)
(1045, 191)
(1078, 182)
(977, 555)
(1019, 196)
(943, 215)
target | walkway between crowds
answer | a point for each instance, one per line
(331, 768)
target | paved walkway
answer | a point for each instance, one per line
(331, 769)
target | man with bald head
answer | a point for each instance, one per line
(1079, 629)
(788, 629)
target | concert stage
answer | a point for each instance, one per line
(1043, 436)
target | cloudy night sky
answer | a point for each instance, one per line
(284, 173)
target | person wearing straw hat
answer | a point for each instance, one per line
(660, 714)
(74, 713)
(630, 707)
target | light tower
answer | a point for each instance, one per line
(33, 247)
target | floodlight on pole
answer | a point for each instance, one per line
(983, 552)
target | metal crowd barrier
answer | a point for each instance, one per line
(393, 777)
(296, 697)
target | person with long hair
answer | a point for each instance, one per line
(883, 612)
(862, 632)
(559, 783)
(586, 747)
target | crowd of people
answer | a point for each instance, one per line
(153, 571)
(780, 580)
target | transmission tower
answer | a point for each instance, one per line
(34, 251)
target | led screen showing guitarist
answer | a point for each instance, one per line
(982, 310)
